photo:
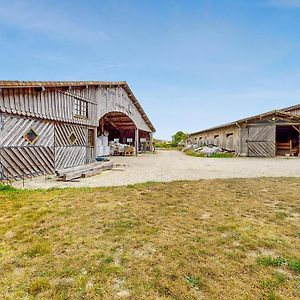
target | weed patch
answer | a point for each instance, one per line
(194, 281)
(38, 250)
(280, 261)
(38, 285)
(191, 152)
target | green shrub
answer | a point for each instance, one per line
(7, 188)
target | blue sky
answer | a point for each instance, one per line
(192, 64)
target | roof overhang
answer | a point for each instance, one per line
(277, 113)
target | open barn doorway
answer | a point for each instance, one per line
(116, 135)
(287, 140)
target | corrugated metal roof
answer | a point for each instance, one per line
(124, 84)
(282, 112)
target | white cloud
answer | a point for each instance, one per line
(28, 17)
(284, 3)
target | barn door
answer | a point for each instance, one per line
(261, 141)
(91, 144)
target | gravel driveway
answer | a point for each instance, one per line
(175, 165)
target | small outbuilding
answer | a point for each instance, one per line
(50, 125)
(266, 135)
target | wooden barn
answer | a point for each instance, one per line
(46, 126)
(266, 135)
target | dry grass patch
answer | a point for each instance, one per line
(209, 239)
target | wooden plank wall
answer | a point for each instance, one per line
(68, 154)
(219, 137)
(52, 149)
(262, 141)
(116, 99)
(18, 158)
(50, 104)
(244, 138)
(50, 112)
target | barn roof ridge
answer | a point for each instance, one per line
(283, 112)
(124, 84)
(45, 83)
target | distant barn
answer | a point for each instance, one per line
(46, 126)
(266, 135)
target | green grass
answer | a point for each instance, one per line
(293, 264)
(209, 239)
(6, 188)
(190, 152)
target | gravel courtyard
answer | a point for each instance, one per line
(175, 165)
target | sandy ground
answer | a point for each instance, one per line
(175, 165)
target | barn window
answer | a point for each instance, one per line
(91, 137)
(72, 138)
(216, 136)
(229, 134)
(80, 108)
(31, 136)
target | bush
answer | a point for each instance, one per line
(7, 188)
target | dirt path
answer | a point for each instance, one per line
(174, 165)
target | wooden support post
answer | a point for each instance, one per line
(136, 142)
(151, 141)
(95, 145)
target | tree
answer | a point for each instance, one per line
(178, 137)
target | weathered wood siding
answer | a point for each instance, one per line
(244, 138)
(68, 154)
(52, 150)
(20, 159)
(116, 99)
(50, 104)
(227, 138)
(262, 141)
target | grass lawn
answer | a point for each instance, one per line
(209, 239)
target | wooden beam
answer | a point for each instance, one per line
(136, 142)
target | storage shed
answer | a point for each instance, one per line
(266, 135)
(46, 126)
